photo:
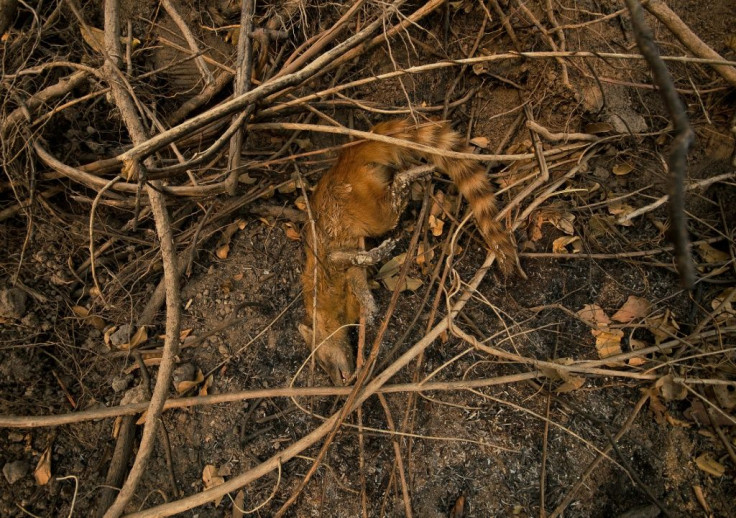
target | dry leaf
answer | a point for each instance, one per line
(247, 179)
(567, 244)
(206, 385)
(287, 187)
(481, 142)
(633, 308)
(238, 505)
(95, 38)
(662, 326)
(301, 203)
(621, 209)
(267, 222)
(622, 169)
(184, 386)
(391, 267)
(458, 509)
(223, 251)
(671, 390)
(140, 337)
(42, 474)
(95, 321)
(636, 361)
(710, 465)
(608, 343)
(436, 225)
(423, 257)
(594, 315)
(572, 382)
(410, 283)
(211, 478)
(712, 255)
(291, 232)
(726, 314)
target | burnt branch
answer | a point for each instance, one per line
(684, 136)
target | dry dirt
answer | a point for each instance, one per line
(513, 449)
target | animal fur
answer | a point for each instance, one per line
(360, 198)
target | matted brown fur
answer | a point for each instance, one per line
(356, 199)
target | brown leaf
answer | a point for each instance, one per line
(621, 209)
(140, 337)
(410, 283)
(291, 232)
(481, 142)
(633, 308)
(423, 257)
(594, 315)
(93, 320)
(391, 267)
(458, 509)
(670, 389)
(42, 473)
(212, 478)
(712, 255)
(608, 343)
(712, 467)
(184, 386)
(662, 326)
(622, 169)
(223, 251)
(238, 505)
(301, 203)
(436, 225)
(567, 244)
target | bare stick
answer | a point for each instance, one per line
(700, 184)
(684, 136)
(242, 84)
(688, 38)
(168, 253)
(191, 40)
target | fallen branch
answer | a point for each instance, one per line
(688, 38)
(684, 136)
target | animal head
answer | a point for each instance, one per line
(333, 353)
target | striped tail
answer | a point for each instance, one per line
(468, 175)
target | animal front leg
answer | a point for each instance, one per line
(345, 258)
(399, 189)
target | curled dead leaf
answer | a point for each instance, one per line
(410, 283)
(594, 315)
(291, 232)
(481, 142)
(662, 326)
(622, 169)
(223, 251)
(212, 478)
(436, 225)
(711, 466)
(567, 245)
(391, 267)
(42, 473)
(633, 308)
(670, 389)
(608, 342)
(184, 386)
(712, 255)
(93, 320)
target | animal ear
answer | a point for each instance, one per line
(306, 333)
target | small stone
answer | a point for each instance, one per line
(14, 471)
(122, 335)
(184, 372)
(12, 303)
